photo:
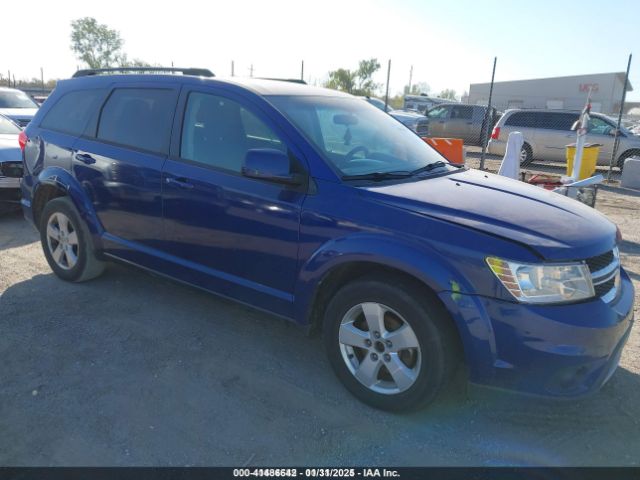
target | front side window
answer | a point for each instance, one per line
(218, 132)
(71, 113)
(7, 127)
(355, 137)
(438, 113)
(16, 99)
(138, 117)
(599, 126)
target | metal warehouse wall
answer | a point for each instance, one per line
(558, 92)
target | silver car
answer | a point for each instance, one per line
(17, 105)
(548, 132)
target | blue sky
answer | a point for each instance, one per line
(449, 43)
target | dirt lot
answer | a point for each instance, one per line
(132, 369)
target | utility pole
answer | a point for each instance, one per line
(302, 71)
(42, 79)
(233, 70)
(251, 70)
(410, 78)
(485, 133)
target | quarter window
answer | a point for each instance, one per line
(462, 113)
(71, 113)
(218, 132)
(138, 118)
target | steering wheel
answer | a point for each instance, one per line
(354, 150)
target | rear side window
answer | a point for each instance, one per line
(558, 121)
(71, 113)
(523, 119)
(462, 113)
(138, 117)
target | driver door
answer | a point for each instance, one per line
(230, 233)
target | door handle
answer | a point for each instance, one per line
(85, 158)
(179, 182)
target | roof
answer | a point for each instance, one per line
(256, 85)
(620, 76)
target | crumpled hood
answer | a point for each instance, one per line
(558, 228)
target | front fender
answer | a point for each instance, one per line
(64, 181)
(403, 254)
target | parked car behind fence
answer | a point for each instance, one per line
(457, 120)
(548, 132)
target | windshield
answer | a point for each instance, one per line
(355, 137)
(16, 99)
(7, 127)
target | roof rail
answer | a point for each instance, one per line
(199, 72)
(292, 80)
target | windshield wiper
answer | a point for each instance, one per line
(429, 167)
(379, 176)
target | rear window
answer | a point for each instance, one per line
(138, 118)
(71, 113)
(16, 99)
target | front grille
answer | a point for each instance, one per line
(605, 271)
(601, 261)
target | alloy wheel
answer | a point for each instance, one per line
(380, 348)
(62, 240)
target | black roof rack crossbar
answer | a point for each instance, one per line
(199, 72)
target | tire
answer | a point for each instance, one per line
(420, 373)
(67, 243)
(526, 155)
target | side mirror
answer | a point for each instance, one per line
(11, 169)
(270, 165)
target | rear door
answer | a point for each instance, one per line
(554, 134)
(119, 163)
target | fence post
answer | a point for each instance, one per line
(485, 128)
(302, 71)
(616, 140)
(386, 95)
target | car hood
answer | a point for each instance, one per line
(13, 113)
(558, 228)
(9, 148)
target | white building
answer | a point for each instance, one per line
(554, 93)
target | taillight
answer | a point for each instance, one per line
(22, 140)
(496, 133)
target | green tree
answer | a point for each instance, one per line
(448, 93)
(356, 82)
(417, 88)
(95, 44)
(341, 79)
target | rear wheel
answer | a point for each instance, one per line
(625, 155)
(67, 243)
(526, 155)
(391, 346)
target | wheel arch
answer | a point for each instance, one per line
(56, 182)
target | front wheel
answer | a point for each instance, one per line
(66, 242)
(391, 346)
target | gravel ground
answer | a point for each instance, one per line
(132, 369)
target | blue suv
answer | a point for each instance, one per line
(317, 207)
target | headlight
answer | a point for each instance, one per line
(553, 283)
